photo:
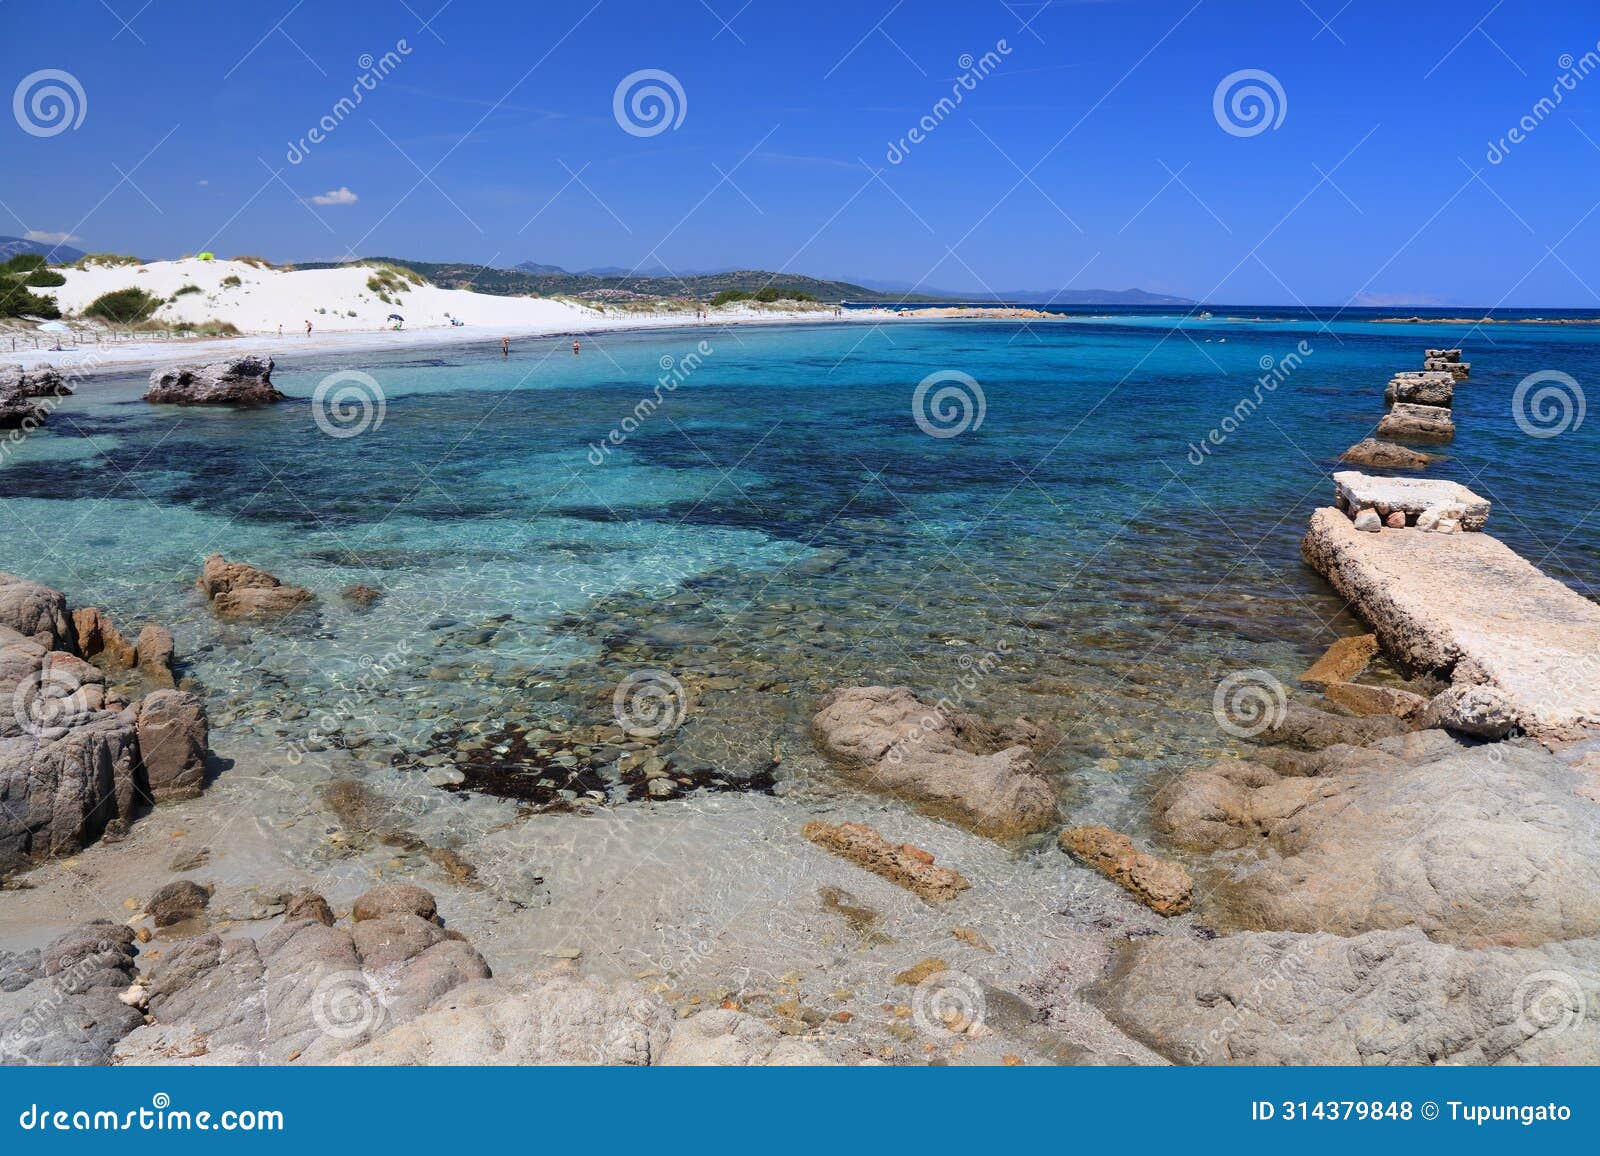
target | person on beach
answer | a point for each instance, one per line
(505, 347)
(280, 329)
(308, 329)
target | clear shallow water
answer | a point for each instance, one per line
(779, 526)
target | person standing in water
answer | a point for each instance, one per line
(574, 349)
(505, 347)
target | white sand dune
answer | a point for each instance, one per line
(345, 314)
(336, 300)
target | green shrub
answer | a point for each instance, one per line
(728, 296)
(231, 281)
(24, 263)
(89, 259)
(44, 279)
(123, 306)
(187, 289)
(16, 301)
(769, 293)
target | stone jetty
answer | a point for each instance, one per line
(1468, 608)
(1446, 361)
(1520, 650)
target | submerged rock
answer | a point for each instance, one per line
(1343, 660)
(1418, 423)
(727, 1038)
(240, 590)
(180, 900)
(946, 762)
(902, 864)
(1385, 455)
(1161, 885)
(238, 381)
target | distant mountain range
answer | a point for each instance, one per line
(657, 280)
(56, 254)
(1031, 296)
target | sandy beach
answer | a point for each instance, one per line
(345, 314)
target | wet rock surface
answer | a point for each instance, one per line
(240, 590)
(240, 381)
(1474, 845)
(947, 762)
(1383, 997)
(909, 867)
(60, 1005)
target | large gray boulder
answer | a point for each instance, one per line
(25, 394)
(1476, 845)
(944, 761)
(173, 739)
(305, 992)
(35, 611)
(1385, 997)
(237, 381)
(555, 1018)
(61, 1005)
(75, 762)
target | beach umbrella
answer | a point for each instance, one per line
(208, 256)
(396, 317)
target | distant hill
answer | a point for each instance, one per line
(614, 283)
(1033, 296)
(697, 287)
(55, 254)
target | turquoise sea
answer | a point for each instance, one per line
(1114, 537)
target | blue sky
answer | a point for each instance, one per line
(1090, 155)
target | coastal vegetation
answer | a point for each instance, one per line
(123, 306)
(18, 277)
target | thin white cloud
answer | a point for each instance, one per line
(339, 196)
(49, 238)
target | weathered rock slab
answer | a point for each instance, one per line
(901, 864)
(1417, 423)
(1354, 491)
(946, 762)
(1467, 607)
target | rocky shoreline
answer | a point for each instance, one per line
(1390, 866)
